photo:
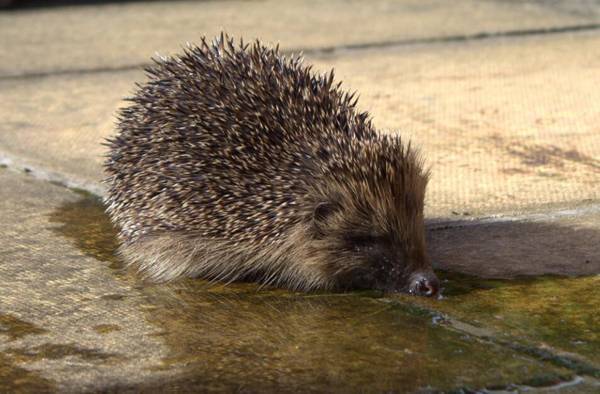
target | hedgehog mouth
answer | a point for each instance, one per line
(424, 284)
(389, 280)
(382, 281)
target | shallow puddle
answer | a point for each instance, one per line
(239, 338)
(85, 223)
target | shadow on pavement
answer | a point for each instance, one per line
(518, 249)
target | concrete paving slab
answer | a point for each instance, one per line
(71, 321)
(58, 124)
(117, 35)
(58, 304)
(508, 126)
(505, 126)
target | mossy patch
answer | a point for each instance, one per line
(554, 312)
(15, 379)
(106, 328)
(16, 328)
(58, 351)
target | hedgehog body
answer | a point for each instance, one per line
(233, 162)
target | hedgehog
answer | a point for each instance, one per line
(233, 162)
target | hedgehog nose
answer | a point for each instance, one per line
(426, 285)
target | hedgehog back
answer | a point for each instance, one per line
(225, 141)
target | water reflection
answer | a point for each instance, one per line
(238, 338)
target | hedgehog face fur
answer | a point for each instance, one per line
(233, 162)
(367, 226)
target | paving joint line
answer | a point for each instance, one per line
(332, 50)
(432, 224)
(56, 178)
(445, 224)
(457, 38)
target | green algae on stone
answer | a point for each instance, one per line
(555, 312)
(277, 340)
(16, 328)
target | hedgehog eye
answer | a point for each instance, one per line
(322, 211)
(363, 241)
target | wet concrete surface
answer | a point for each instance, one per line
(54, 297)
(20, 380)
(483, 334)
(551, 312)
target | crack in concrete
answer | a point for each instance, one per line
(335, 49)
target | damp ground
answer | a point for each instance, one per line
(529, 333)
